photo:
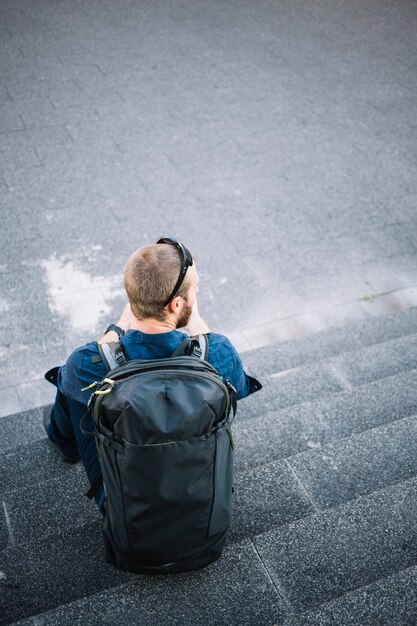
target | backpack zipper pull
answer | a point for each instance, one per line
(96, 382)
(90, 386)
(102, 392)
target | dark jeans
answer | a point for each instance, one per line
(64, 430)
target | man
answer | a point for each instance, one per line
(161, 283)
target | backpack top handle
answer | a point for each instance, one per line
(193, 346)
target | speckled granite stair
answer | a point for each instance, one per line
(279, 577)
(286, 387)
(324, 504)
(390, 601)
(326, 555)
(334, 341)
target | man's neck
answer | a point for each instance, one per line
(152, 326)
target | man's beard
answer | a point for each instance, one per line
(185, 315)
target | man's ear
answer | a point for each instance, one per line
(175, 305)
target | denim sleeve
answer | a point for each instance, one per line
(79, 371)
(224, 357)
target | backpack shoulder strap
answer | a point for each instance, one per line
(111, 354)
(193, 346)
(203, 344)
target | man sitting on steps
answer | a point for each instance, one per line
(161, 282)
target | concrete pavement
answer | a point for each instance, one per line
(276, 139)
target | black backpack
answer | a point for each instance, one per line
(166, 453)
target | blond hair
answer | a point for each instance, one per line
(150, 276)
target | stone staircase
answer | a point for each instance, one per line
(325, 512)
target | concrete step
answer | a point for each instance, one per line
(266, 495)
(21, 428)
(235, 589)
(339, 373)
(319, 565)
(327, 445)
(48, 528)
(286, 387)
(319, 364)
(327, 475)
(326, 555)
(271, 436)
(274, 436)
(51, 492)
(273, 494)
(50, 535)
(391, 601)
(331, 342)
(53, 512)
(360, 465)
(310, 425)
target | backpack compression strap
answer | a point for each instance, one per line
(111, 354)
(193, 346)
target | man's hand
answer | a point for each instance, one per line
(124, 322)
(196, 325)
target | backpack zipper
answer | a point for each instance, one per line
(225, 385)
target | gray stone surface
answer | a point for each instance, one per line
(310, 425)
(391, 601)
(370, 405)
(277, 434)
(277, 496)
(386, 327)
(350, 337)
(286, 387)
(236, 589)
(270, 493)
(324, 556)
(24, 429)
(55, 570)
(266, 497)
(291, 387)
(50, 508)
(289, 354)
(366, 462)
(397, 272)
(38, 459)
(276, 141)
(10, 401)
(379, 361)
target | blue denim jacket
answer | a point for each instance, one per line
(80, 370)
